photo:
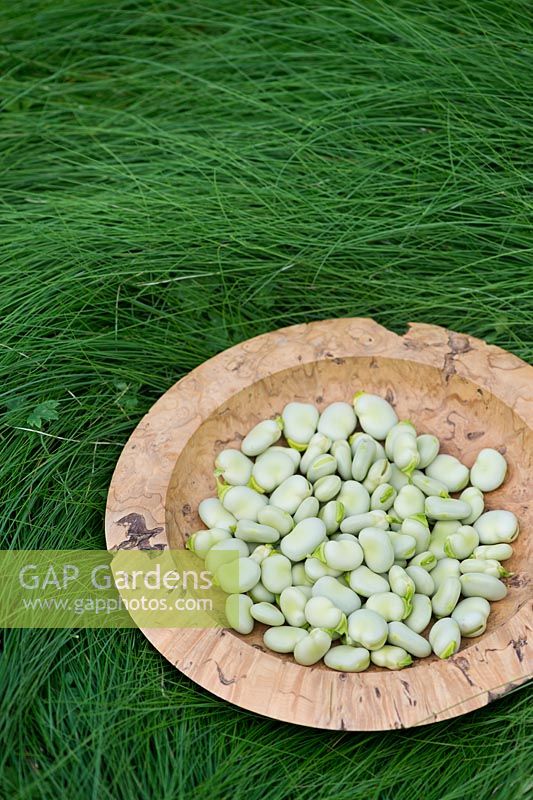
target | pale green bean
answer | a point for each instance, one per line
(343, 537)
(380, 452)
(307, 508)
(417, 527)
(342, 453)
(371, 519)
(431, 487)
(312, 648)
(202, 541)
(276, 518)
(471, 615)
(489, 566)
(270, 469)
(409, 502)
(299, 424)
(293, 454)
(263, 435)
(479, 584)
(341, 596)
(292, 602)
(421, 612)
(424, 583)
(475, 500)
(398, 479)
(299, 576)
(501, 552)
(289, 494)
(449, 471)
(268, 614)
(379, 472)
(446, 568)
(283, 639)
(326, 488)
(398, 430)
(364, 455)
(316, 569)
(255, 532)
(276, 573)
(400, 582)
(223, 552)
(441, 508)
(260, 594)
(318, 445)
(355, 498)
(377, 548)
(383, 497)
(426, 559)
(260, 552)
(214, 515)
(238, 608)
(439, 534)
(446, 597)
(404, 546)
(366, 583)
(389, 606)
(405, 452)
(342, 556)
(243, 502)
(495, 527)
(332, 515)
(376, 415)
(391, 657)
(237, 577)
(320, 612)
(428, 448)
(337, 421)
(401, 635)
(234, 467)
(489, 470)
(367, 628)
(320, 466)
(461, 544)
(345, 658)
(303, 539)
(445, 637)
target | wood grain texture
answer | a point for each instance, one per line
(471, 395)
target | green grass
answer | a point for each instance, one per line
(176, 177)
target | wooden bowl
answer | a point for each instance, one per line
(471, 395)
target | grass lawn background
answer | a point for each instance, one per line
(177, 177)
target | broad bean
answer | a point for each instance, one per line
(401, 635)
(489, 470)
(262, 435)
(377, 548)
(449, 471)
(445, 637)
(345, 658)
(337, 421)
(391, 657)
(312, 648)
(376, 415)
(238, 613)
(299, 424)
(367, 628)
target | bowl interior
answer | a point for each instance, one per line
(464, 416)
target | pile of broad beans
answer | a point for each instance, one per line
(346, 541)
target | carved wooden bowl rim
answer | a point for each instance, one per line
(260, 681)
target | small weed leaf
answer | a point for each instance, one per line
(43, 412)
